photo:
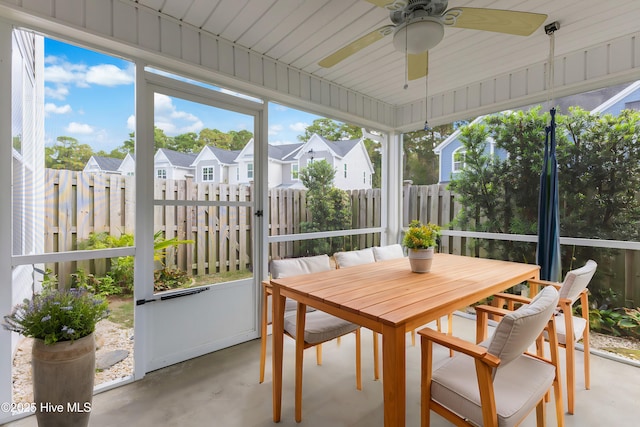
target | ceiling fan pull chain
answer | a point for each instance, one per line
(406, 59)
(426, 101)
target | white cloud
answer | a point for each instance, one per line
(59, 92)
(59, 74)
(173, 121)
(51, 108)
(275, 129)
(131, 123)
(298, 126)
(64, 73)
(109, 75)
(79, 128)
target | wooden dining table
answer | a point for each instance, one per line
(389, 299)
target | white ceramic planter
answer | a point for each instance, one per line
(420, 260)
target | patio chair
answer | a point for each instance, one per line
(570, 328)
(319, 327)
(346, 259)
(497, 382)
(383, 253)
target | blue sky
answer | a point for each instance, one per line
(90, 96)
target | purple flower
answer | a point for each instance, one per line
(45, 318)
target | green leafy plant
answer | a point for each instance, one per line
(57, 315)
(421, 236)
(616, 322)
(169, 278)
(103, 286)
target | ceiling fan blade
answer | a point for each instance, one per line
(418, 65)
(389, 4)
(496, 20)
(355, 46)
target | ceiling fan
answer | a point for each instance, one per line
(418, 25)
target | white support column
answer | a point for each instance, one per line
(5, 214)
(394, 196)
(143, 269)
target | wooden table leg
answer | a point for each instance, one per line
(393, 372)
(277, 339)
(300, 322)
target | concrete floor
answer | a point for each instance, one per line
(221, 389)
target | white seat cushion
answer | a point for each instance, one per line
(518, 387)
(319, 327)
(578, 328)
(383, 253)
(353, 258)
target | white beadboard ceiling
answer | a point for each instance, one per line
(302, 32)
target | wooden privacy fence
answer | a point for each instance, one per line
(79, 203)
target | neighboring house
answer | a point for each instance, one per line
(128, 165)
(100, 164)
(348, 157)
(284, 168)
(451, 154)
(609, 100)
(215, 164)
(169, 164)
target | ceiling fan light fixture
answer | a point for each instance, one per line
(419, 35)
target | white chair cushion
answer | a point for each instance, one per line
(577, 280)
(353, 258)
(281, 268)
(319, 327)
(518, 388)
(518, 329)
(578, 328)
(383, 253)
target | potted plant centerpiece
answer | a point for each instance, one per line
(421, 240)
(62, 323)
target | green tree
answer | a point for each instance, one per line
(599, 174)
(331, 130)
(420, 163)
(186, 143)
(67, 153)
(215, 137)
(239, 139)
(160, 139)
(330, 208)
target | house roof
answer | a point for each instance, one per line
(176, 158)
(281, 152)
(341, 147)
(452, 137)
(224, 156)
(109, 164)
(617, 97)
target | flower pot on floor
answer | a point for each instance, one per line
(63, 375)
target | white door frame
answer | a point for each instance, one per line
(152, 315)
